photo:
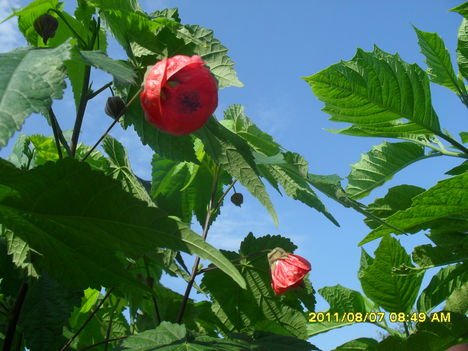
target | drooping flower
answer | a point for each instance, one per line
(287, 270)
(180, 94)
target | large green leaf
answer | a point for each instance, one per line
(234, 156)
(277, 166)
(119, 70)
(373, 88)
(446, 200)
(361, 344)
(461, 9)
(397, 198)
(81, 222)
(236, 120)
(213, 53)
(462, 48)
(29, 80)
(342, 299)
(441, 287)
(438, 60)
(175, 337)
(392, 292)
(45, 312)
(379, 165)
(392, 129)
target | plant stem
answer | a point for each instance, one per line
(454, 143)
(81, 110)
(99, 91)
(405, 325)
(109, 327)
(209, 212)
(153, 296)
(15, 313)
(103, 342)
(85, 323)
(56, 128)
(112, 124)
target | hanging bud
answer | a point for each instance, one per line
(46, 26)
(114, 106)
(237, 199)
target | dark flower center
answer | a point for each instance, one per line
(189, 102)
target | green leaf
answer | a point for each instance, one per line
(342, 299)
(373, 88)
(45, 312)
(431, 335)
(433, 256)
(458, 300)
(446, 200)
(82, 222)
(20, 253)
(213, 53)
(393, 293)
(29, 80)
(392, 129)
(464, 137)
(397, 198)
(236, 121)
(119, 168)
(462, 48)
(441, 286)
(234, 156)
(462, 9)
(440, 69)
(118, 69)
(379, 165)
(361, 344)
(323, 327)
(460, 169)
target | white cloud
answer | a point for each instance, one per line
(10, 37)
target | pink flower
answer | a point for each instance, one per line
(287, 270)
(180, 94)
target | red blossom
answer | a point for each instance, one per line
(287, 270)
(180, 94)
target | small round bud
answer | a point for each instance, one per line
(237, 199)
(46, 26)
(114, 106)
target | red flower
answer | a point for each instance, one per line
(287, 270)
(179, 95)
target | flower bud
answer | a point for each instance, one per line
(180, 94)
(237, 199)
(114, 106)
(287, 270)
(46, 26)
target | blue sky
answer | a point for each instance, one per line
(273, 46)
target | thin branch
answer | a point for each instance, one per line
(85, 323)
(103, 342)
(11, 329)
(405, 325)
(109, 327)
(81, 110)
(454, 143)
(209, 213)
(153, 296)
(56, 126)
(124, 110)
(99, 91)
